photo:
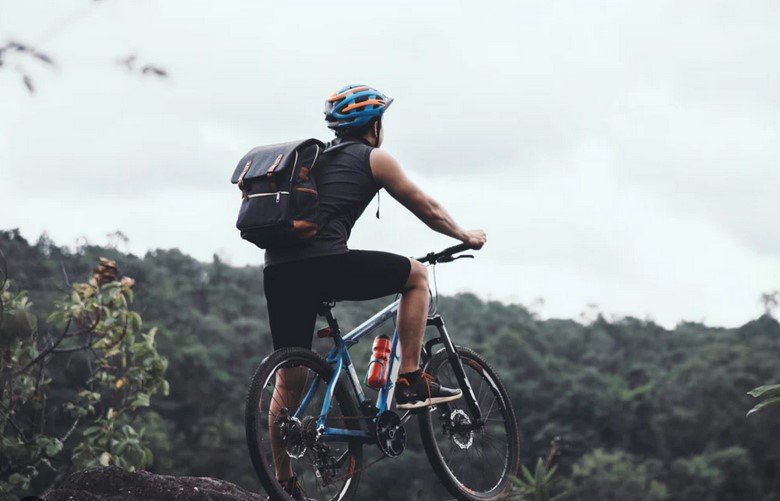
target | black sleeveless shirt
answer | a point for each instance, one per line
(345, 187)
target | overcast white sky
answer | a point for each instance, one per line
(618, 153)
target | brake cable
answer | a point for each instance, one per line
(435, 288)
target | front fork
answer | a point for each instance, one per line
(455, 363)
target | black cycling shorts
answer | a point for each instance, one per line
(294, 290)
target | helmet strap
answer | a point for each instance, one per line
(377, 128)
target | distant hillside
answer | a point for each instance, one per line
(664, 408)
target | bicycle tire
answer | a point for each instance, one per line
(253, 417)
(432, 449)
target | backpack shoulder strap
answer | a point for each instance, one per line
(335, 147)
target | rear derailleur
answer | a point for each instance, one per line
(300, 439)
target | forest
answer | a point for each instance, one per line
(641, 412)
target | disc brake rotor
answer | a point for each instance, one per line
(460, 423)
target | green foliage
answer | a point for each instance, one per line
(769, 395)
(718, 476)
(536, 485)
(636, 405)
(615, 476)
(71, 391)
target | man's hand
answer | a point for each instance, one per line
(475, 238)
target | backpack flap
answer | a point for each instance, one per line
(265, 162)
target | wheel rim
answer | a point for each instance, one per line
(477, 459)
(317, 479)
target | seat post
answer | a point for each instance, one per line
(325, 311)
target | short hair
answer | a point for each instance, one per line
(355, 132)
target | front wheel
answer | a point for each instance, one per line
(474, 461)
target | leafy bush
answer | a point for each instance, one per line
(615, 476)
(717, 476)
(72, 388)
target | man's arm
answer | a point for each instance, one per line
(387, 172)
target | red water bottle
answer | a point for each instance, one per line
(376, 377)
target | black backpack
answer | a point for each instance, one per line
(280, 206)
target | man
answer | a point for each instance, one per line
(297, 280)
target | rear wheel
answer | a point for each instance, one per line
(474, 461)
(324, 470)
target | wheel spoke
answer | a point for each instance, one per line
(490, 409)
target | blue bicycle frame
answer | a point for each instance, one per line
(339, 356)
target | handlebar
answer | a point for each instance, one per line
(446, 255)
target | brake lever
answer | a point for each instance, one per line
(470, 256)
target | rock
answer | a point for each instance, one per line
(115, 484)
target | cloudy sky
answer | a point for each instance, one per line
(623, 154)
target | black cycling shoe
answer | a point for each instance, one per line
(419, 389)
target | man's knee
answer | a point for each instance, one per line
(418, 275)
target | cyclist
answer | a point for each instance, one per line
(297, 280)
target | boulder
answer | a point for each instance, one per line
(115, 484)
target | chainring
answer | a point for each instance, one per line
(390, 434)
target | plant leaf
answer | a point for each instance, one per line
(769, 390)
(527, 474)
(766, 403)
(550, 473)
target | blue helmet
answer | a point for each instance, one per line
(355, 106)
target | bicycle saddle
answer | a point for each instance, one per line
(325, 307)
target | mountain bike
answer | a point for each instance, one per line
(323, 422)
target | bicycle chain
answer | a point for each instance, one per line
(360, 470)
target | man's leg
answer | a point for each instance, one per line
(292, 314)
(287, 393)
(361, 275)
(416, 389)
(412, 316)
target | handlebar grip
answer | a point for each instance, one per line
(449, 251)
(455, 249)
